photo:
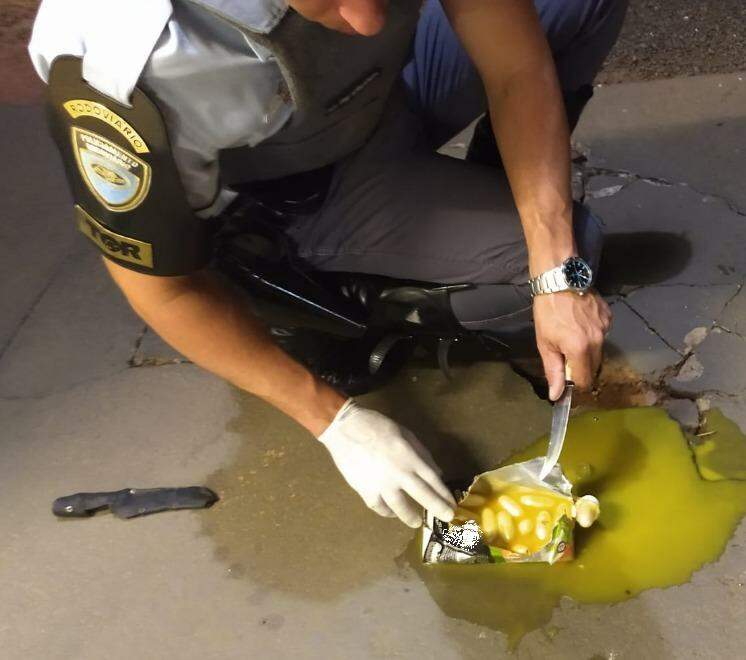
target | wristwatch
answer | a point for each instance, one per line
(573, 275)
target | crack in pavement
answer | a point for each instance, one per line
(592, 171)
(155, 361)
(729, 331)
(663, 387)
(32, 307)
(648, 325)
(136, 360)
(133, 359)
(689, 349)
(717, 322)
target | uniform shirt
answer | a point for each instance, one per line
(214, 87)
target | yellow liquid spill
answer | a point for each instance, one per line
(720, 448)
(659, 523)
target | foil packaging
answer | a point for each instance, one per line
(467, 543)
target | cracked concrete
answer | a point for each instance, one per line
(733, 318)
(36, 233)
(687, 315)
(663, 167)
(685, 222)
(595, 176)
(673, 130)
(151, 351)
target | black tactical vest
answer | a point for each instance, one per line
(340, 85)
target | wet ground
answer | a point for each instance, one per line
(290, 564)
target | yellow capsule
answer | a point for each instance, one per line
(543, 522)
(505, 525)
(473, 500)
(587, 510)
(542, 531)
(520, 549)
(510, 505)
(536, 500)
(525, 526)
(489, 523)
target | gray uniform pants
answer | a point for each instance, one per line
(399, 209)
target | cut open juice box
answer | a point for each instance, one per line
(510, 515)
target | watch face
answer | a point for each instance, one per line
(577, 272)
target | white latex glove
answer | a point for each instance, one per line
(386, 465)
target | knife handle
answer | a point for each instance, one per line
(80, 505)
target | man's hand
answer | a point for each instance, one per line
(570, 328)
(506, 42)
(387, 466)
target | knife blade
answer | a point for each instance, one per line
(560, 416)
(131, 502)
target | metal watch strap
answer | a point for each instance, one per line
(551, 281)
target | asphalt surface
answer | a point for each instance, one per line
(678, 38)
(659, 40)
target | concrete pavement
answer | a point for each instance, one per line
(290, 564)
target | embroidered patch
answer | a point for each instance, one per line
(117, 178)
(115, 245)
(82, 108)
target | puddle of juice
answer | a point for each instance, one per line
(659, 523)
(720, 448)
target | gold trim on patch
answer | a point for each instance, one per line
(122, 248)
(83, 108)
(144, 186)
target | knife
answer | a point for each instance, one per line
(560, 416)
(131, 502)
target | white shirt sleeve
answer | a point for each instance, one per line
(55, 33)
(215, 93)
(213, 90)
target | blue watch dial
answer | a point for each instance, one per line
(577, 272)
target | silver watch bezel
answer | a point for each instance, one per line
(555, 280)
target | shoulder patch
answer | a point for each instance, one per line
(85, 108)
(118, 179)
(115, 245)
(129, 199)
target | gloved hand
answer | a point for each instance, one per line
(386, 465)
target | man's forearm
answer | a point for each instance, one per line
(206, 322)
(530, 127)
(506, 42)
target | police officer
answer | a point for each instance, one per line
(163, 110)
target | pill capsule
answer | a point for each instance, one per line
(510, 505)
(505, 525)
(525, 526)
(587, 510)
(536, 500)
(489, 522)
(473, 500)
(543, 522)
